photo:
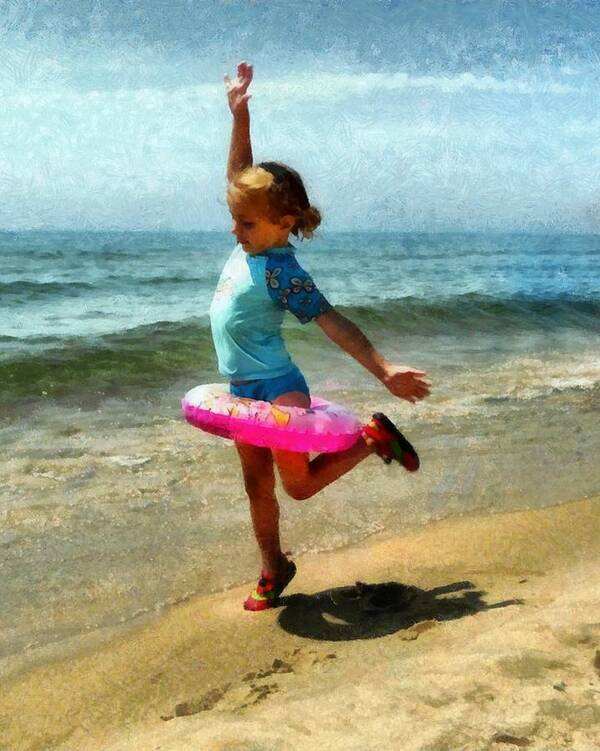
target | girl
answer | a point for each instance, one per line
(260, 280)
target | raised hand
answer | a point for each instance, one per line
(406, 383)
(236, 89)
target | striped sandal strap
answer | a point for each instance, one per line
(268, 590)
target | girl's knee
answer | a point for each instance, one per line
(299, 491)
(294, 471)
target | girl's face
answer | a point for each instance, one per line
(256, 232)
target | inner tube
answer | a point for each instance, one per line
(324, 427)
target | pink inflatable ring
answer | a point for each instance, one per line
(323, 427)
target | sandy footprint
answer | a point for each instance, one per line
(259, 693)
(204, 704)
(278, 666)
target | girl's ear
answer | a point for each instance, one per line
(287, 221)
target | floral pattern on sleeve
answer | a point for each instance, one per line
(292, 288)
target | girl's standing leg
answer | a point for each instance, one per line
(259, 481)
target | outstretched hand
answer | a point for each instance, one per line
(406, 383)
(236, 89)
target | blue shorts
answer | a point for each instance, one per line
(268, 389)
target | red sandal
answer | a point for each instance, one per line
(268, 590)
(390, 444)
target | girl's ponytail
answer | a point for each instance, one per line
(308, 222)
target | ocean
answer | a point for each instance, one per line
(112, 508)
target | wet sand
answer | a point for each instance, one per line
(476, 632)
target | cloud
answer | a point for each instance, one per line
(345, 84)
(312, 86)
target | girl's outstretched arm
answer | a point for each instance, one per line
(404, 382)
(240, 149)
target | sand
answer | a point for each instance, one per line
(476, 632)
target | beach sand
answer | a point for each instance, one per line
(475, 632)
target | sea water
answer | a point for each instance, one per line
(112, 508)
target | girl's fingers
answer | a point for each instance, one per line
(244, 70)
(419, 392)
(243, 80)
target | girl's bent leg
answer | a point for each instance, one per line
(259, 481)
(302, 478)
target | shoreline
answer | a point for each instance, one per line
(215, 669)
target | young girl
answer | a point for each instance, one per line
(260, 280)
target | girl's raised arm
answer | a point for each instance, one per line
(240, 149)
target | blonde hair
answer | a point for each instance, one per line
(281, 191)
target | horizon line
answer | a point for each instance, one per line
(173, 230)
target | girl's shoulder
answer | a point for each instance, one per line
(292, 288)
(284, 264)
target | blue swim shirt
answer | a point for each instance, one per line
(246, 313)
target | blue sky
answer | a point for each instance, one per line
(435, 116)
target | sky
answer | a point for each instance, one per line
(432, 115)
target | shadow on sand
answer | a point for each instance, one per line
(367, 611)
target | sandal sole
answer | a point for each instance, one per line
(409, 459)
